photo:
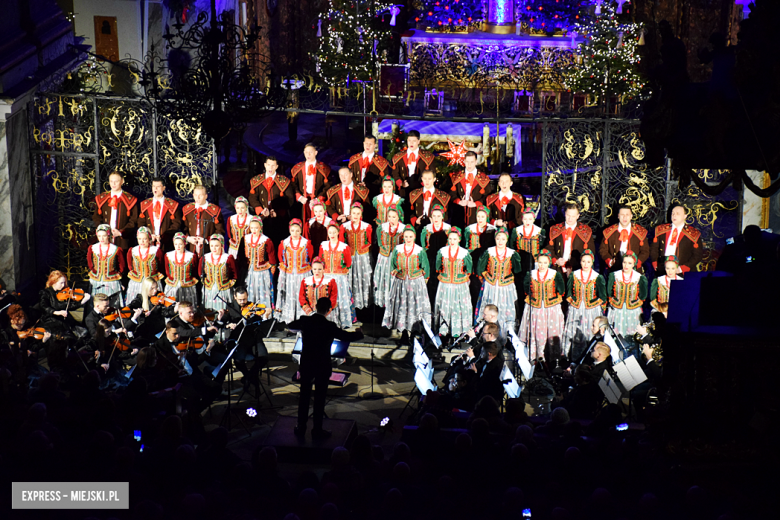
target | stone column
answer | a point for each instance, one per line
(752, 204)
(17, 231)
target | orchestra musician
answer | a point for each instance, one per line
(55, 307)
(150, 317)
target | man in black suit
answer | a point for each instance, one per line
(488, 369)
(602, 361)
(317, 334)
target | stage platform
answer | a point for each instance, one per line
(291, 449)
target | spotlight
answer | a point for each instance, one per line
(251, 412)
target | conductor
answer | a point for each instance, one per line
(317, 336)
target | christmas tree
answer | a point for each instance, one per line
(550, 15)
(353, 41)
(610, 57)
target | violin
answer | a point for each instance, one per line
(253, 309)
(124, 313)
(191, 343)
(201, 317)
(32, 332)
(123, 344)
(162, 299)
(70, 294)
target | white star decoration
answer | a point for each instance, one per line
(457, 153)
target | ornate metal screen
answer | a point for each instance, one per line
(76, 141)
(717, 217)
(596, 163)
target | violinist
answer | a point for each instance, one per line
(24, 340)
(102, 311)
(107, 350)
(106, 264)
(56, 301)
(191, 326)
(241, 313)
(153, 307)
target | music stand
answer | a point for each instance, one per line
(422, 384)
(226, 421)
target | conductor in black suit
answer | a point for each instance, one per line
(317, 336)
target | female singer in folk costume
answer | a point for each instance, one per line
(627, 291)
(338, 260)
(586, 292)
(433, 237)
(408, 300)
(143, 261)
(542, 316)
(497, 268)
(237, 227)
(357, 235)
(659, 289)
(106, 264)
(294, 255)
(388, 235)
(453, 309)
(218, 273)
(527, 239)
(387, 200)
(481, 234)
(181, 268)
(261, 257)
(315, 230)
(318, 285)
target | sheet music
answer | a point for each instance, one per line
(436, 340)
(512, 388)
(421, 361)
(610, 388)
(629, 373)
(614, 349)
(522, 360)
(423, 382)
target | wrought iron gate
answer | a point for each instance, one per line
(76, 141)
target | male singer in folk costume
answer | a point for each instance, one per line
(310, 180)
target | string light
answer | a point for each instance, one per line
(609, 60)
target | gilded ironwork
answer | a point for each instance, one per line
(717, 217)
(573, 164)
(628, 180)
(76, 141)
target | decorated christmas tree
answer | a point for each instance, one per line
(548, 16)
(610, 57)
(353, 41)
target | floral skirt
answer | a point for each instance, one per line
(503, 297)
(182, 294)
(577, 329)
(537, 326)
(288, 308)
(213, 298)
(383, 280)
(260, 288)
(344, 313)
(360, 280)
(453, 311)
(625, 321)
(407, 303)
